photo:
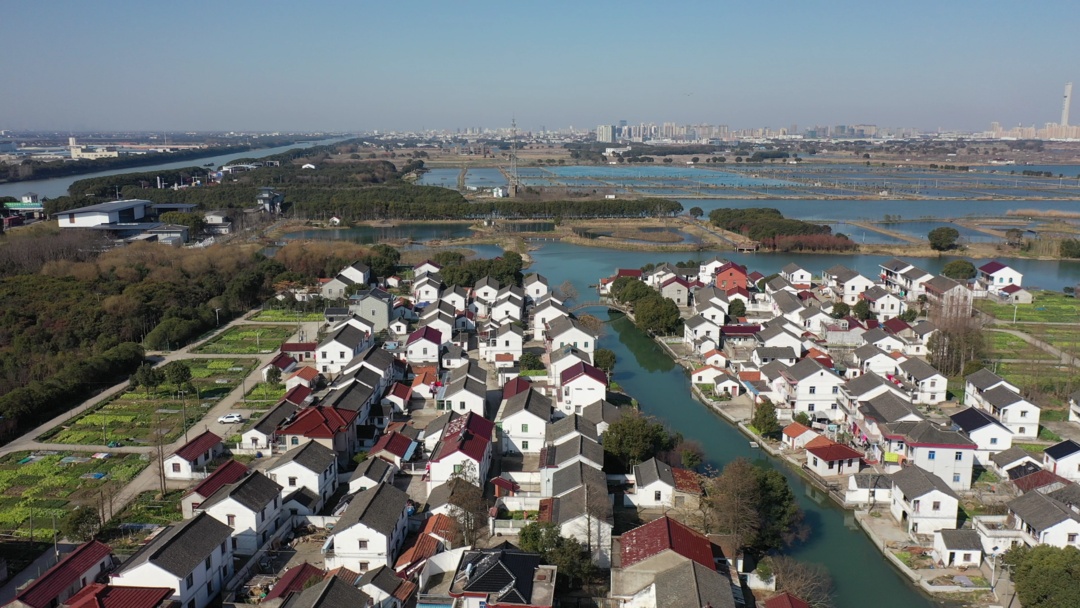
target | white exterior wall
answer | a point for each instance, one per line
(577, 338)
(380, 551)
(646, 496)
(942, 461)
(250, 528)
(1022, 419)
(422, 351)
(581, 392)
(463, 402)
(206, 584)
(521, 428)
(850, 291)
(921, 516)
(322, 484)
(601, 537)
(333, 356)
(1068, 467)
(990, 440)
(826, 387)
(840, 467)
(540, 320)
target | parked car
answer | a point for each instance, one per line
(230, 418)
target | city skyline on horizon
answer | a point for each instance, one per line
(345, 67)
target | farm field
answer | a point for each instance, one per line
(130, 527)
(286, 316)
(1065, 337)
(247, 340)
(133, 417)
(1046, 307)
(51, 483)
(1008, 346)
(264, 396)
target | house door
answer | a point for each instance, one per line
(952, 558)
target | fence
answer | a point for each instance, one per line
(248, 569)
(507, 526)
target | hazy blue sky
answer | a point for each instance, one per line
(246, 65)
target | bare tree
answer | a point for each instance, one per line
(469, 510)
(566, 291)
(733, 497)
(810, 582)
(591, 323)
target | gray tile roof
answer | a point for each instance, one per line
(450, 492)
(531, 401)
(471, 370)
(332, 592)
(567, 426)
(787, 302)
(775, 352)
(1001, 396)
(983, 379)
(872, 480)
(915, 482)
(313, 456)
(590, 498)
(865, 383)
(579, 446)
(382, 578)
(806, 368)
(867, 351)
(183, 546)
(1009, 456)
(574, 476)
(961, 540)
(652, 470)
(691, 584)
(379, 508)
(1040, 511)
(925, 432)
(254, 492)
(888, 407)
(601, 411)
(919, 369)
(273, 419)
(374, 469)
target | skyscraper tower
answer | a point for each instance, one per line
(1065, 105)
(513, 158)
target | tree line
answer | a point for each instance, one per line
(652, 311)
(774, 231)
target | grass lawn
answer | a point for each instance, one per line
(247, 340)
(1046, 307)
(1049, 378)
(52, 483)
(285, 316)
(132, 417)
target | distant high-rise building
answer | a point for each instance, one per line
(1065, 105)
(605, 133)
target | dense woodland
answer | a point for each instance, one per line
(776, 232)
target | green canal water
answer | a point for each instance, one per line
(862, 576)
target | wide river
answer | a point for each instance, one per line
(58, 186)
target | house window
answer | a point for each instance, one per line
(363, 566)
(931, 455)
(461, 406)
(524, 445)
(831, 465)
(584, 345)
(176, 467)
(524, 428)
(1023, 430)
(813, 390)
(836, 390)
(810, 407)
(295, 440)
(324, 355)
(325, 368)
(1023, 414)
(341, 354)
(292, 482)
(190, 580)
(208, 562)
(656, 496)
(209, 587)
(993, 440)
(815, 461)
(362, 543)
(1072, 538)
(458, 468)
(956, 478)
(936, 506)
(231, 520)
(223, 545)
(958, 456)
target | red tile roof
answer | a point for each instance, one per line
(96, 595)
(686, 480)
(469, 434)
(306, 373)
(750, 376)
(423, 547)
(895, 325)
(739, 330)
(678, 280)
(401, 391)
(294, 580)
(344, 574)
(818, 442)
(833, 452)
(404, 591)
(992, 267)
(282, 361)
(230, 472)
(504, 356)
(662, 535)
(394, 443)
(198, 446)
(795, 429)
(60, 578)
(439, 525)
(1011, 289)
(516, 386)
(785, 600)
(732, 266)
(582, 369)
(1038, 479)
(299, 347)
(319, 422)
(628, 272)
(297, 394)
(428, 333)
